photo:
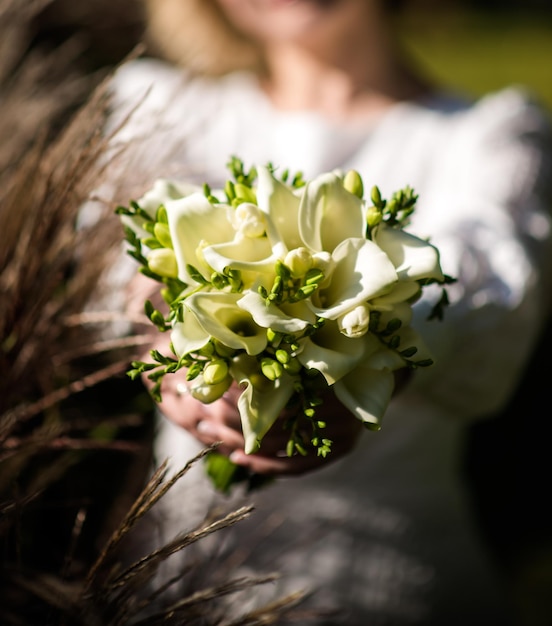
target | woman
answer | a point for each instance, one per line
(384, 533)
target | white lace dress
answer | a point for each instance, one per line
(386, 534)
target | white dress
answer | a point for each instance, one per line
(386, 534)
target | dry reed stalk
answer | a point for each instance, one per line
(73, 458)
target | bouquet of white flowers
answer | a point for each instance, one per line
(286, 287)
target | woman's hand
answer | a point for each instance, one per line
(220, 421)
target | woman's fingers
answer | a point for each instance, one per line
(220, 421)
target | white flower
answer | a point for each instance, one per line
(220, 316)
(247, 219)
(194, 224)
(273, 317)
(299, 260)
(162, 191)
(412, 257)
(329, 214)
(162, 261)
(262, 400)
(341, 309)
(360, 271)
(207, 393)
(355, 323)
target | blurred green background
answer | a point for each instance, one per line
(483, 46)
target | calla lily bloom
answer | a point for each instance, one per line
(360, 271)
(366, 392)
(329, 214)
(195, 222)
(273, 317)
(189, 335)
(412, 257)
(333, 354)
(282, 204)
(220, 316)
(163, 191)
(262, 400)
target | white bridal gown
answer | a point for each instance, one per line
(385, 534)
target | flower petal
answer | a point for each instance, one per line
(161, 192)
(252, 256)
(270, 316)
(192, 222)
(281, 204)
(366, 392)
(329, 214)
(259, 404)
(361, 271)
(189, 335)
(412, 257)
(333, 354)
(219, 315)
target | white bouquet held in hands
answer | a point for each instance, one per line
(287, 287)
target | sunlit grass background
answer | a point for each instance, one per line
(478, 51)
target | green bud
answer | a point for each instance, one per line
(163, 234)
(273, 337)
(314, 276)
(408, 352)
(229, 190)
(290, 448)
(218, 280)
(278, 285)
(282, 356)
(162, 261)
(293, 366)
(157, 318)
(424, 363)
(282, 270)
(215, 372)
(161, 214)
(208, 350)
(373, 216)
(394, 342)
(244, 193)
(305, 291)
(194, 371)
(393, 325)
(353, 183)
(271, 368)
(375, 196)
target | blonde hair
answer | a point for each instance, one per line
(196, 34)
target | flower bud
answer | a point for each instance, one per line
(209, 393)
(162, 261)
(244, 193)
(373, 216)
(273, 337)
(163, 234)
(375, 196)
(353, 183)
(271, 368)
(299, 261)
(293, 366)
(215, 372)
(282, 356)
(248, 220)
(355, 323)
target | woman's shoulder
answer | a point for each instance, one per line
(152, 75)
(514, 111)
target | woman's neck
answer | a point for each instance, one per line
(354, 77)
